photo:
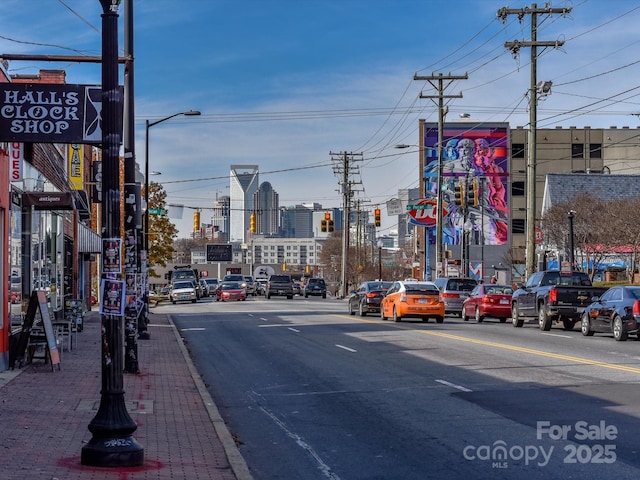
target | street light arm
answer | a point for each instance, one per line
(190, 113)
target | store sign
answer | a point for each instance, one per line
(48, 200)
(52, 113)
(16, 160)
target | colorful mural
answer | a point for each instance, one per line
(475, 158)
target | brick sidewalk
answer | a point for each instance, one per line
(45, 414)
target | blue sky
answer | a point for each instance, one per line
(282, 83)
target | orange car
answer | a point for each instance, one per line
(412, 300)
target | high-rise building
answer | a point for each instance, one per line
(266, 203)
(220, 218)
(297, 221)
(243, 184)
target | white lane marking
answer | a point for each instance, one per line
(264, 319)
(324, 468)
(199, 329)
(557, 335)
(453, 385)
(293, 330)
(346, 348)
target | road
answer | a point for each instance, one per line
(310, 392)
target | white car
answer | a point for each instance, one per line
(183, 291)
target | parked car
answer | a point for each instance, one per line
(454, 292)
(183, 291)
(315, 286)
(297, 288)
(617, 312)
(279, 285)
(367, 297)
(412, 300)
(232, 291)
(488, 300)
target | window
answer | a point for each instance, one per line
(517, 150)
(517, 189)
(595, 150)
(577, 150)
(517, 225)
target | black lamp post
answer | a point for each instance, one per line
(380, 259)
(570, 216)
(112, 443)
(143, 331)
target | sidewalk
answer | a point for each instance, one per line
(44, 414)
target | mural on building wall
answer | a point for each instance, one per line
(475, 159)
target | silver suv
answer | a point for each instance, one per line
(454, 291)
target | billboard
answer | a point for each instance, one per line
(475, 160)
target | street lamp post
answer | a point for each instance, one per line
(570, 216)
(380, 259)
(143, 332)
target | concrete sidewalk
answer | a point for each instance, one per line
(44, 414)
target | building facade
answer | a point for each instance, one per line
(244, 182)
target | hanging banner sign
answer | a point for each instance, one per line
(16, 160)
(75, 165)
(52, 113)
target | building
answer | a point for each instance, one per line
(266, 204)
(243, 185)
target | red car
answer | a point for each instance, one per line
(488, 300)
(228, 291)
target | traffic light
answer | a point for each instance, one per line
(323, 225)
(472, 193)
(326, 223)
(252, 223)
(376, 217)
(330, 225)
(458, 194)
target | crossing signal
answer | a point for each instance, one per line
(252, 223)
(376, 217)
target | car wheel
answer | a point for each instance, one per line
(425, 319)
(515, 318)
(351, 310)
(464, 315)
(324, 295)
(544, 322)
(382, 317)
(479, 318)
(396, 318)
(173, 301)
(568, 324)
(361, 311)
(193, 301)
(439, 319)
(585, 327)
(619, 333)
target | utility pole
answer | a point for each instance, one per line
(438, 82)
(344, 169)
(534, 11)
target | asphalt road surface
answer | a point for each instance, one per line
(310, 392)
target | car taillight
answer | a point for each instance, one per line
(450, 295)
(487, 299)
(403, 297)
(553, 295)
(371, 295)
(636, 307)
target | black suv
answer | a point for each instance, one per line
(279, 285)
(315, 286)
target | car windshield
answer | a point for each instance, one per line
(498, 290)
(230, 286)
(461, 285)
(379, 285)
(178, 285)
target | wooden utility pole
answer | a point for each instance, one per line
(438, 82)
(515, 46)
(344, 168)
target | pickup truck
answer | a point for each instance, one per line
(553, 296)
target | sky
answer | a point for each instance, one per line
(284, 84)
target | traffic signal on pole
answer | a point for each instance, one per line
(326, 222)
(472, 193)
(376, 217)
(323, 225)
(458, 198)
(252, 223)
(330, 225)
